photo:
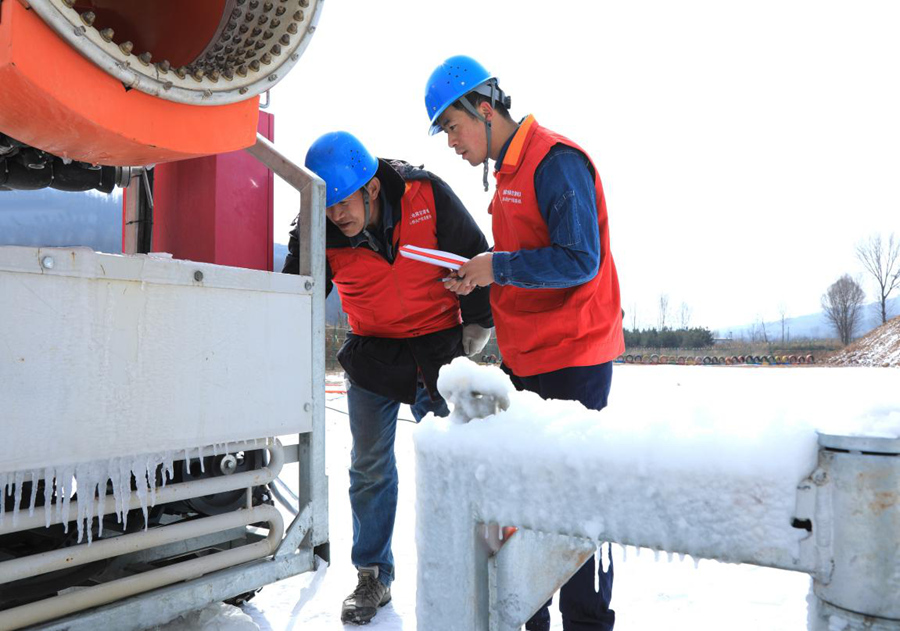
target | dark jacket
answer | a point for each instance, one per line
(388, 366)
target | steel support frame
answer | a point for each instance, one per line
(307, 536)
(850, 504)
(164, 604)
(310, 526)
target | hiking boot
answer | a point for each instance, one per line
(370, 594)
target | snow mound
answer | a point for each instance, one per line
(215, 617)
(473, 391)
(881, 348)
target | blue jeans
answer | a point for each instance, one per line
(582, 607)
(373, 473)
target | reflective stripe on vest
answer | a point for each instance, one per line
(403, 299)
(542, 330)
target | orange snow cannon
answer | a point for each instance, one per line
(130, 82)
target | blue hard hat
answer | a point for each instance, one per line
(454, 78)
(340, 159)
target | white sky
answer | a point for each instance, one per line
(744, 147)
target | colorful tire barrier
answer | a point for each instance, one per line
(716, 360)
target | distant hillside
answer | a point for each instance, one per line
(812, 326)
(881, 347)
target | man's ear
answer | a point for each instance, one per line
(486, 110)
(374, 187)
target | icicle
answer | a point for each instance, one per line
(49, 478)
(200, 456)
(168, 467)
(3, 482)
(141, 485)
(669, 557)
(215, 449)
(637, 551)
(82, 482)
(656, 555)
(34, 488)
(696, 563)
(121, 488)
(151, 480)
(102, 485)
(605, 560)
(681, 557)
(68, 474)
(17, 498)
(624, 552)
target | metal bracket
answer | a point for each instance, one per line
(296, 533)
(547, 560)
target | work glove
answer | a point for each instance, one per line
(474, 338)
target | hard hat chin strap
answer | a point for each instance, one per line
(368, 213)
(365, 231)
(501, 98)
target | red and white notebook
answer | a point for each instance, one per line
(440, 258)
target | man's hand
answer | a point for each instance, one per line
(478, 272)
(474, 338)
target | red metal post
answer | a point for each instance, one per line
(217, 209)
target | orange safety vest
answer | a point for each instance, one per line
(405, 298)
(542, 330)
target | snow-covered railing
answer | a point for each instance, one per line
(729, 466)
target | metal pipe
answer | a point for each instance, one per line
(282, 498)
(165, 494)
(312, 482)
(44, 562)
(48, 609)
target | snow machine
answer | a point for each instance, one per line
(151, 404)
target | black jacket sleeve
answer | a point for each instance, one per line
(292, 260)
(457, 232)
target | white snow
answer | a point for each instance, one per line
(749, 421)
(647, 404)
(725, 447)
(697, 460)
(215, 617)
(881, 347)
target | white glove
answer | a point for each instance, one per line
(474, 338)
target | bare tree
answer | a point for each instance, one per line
(634, 316)
(782, 312)
(882, 262)
(663, 310)
(763, 330)
(842, 304)
(684, 315)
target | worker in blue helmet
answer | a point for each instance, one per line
(554, 287)
(404, 325)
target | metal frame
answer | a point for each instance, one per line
(311, 236)
(152, 597)
(849, 505)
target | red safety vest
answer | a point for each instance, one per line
(403, 299)
(542, 330)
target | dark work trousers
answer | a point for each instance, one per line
(582, 607)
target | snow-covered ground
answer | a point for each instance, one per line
(651, 590)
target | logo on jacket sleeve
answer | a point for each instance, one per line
(418, 216)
